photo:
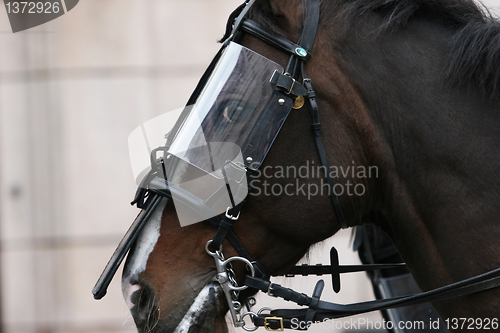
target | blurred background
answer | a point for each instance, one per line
(71, 91)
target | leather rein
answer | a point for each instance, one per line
(314, 309)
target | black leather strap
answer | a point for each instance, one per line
(278, 42)
(335, 269)
(224, 231)
(276, 290)
(277, 324)
(289, 85)
(316, 128)
(311, 23)
(327, 310)
(313, 306)
(241, 11)
(319, 269)
(231, 20)
(223, 228)
(101, 286)
(307, 36)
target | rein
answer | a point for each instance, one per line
(154, 189)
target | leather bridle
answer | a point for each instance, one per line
(151, 192)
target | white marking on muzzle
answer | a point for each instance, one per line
(138, 258)
(194, 311)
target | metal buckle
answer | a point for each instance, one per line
(270, 289)
(291, 87)
(293, 83)
(268, 328)
(231, 217)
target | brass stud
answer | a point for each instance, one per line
(299, 102)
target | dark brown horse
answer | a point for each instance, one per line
(409, 90)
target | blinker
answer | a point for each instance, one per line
(241, 104)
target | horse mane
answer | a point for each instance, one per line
(474, 48)
(397, 13)
(475, 56)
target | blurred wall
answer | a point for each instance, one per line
(71, 91)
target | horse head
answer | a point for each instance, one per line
(382, 73)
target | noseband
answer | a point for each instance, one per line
(294, 84)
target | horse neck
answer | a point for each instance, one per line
(440, 190)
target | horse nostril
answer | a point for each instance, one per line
(145, 309)
(129, 287)
(135, 298)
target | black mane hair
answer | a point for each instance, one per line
(474, 49)
(397, 13)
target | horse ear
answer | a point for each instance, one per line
(290, 14)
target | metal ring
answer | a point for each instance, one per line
(264, 309)
(251, 301)
(251, 329)
(213, 254)
(247, 262)
(237, 305)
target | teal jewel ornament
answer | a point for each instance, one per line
(301, 52)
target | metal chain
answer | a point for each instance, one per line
(227, 280)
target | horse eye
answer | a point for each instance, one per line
(233, 113)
